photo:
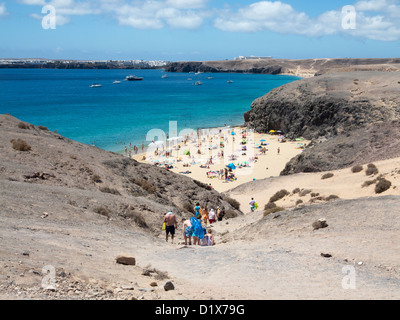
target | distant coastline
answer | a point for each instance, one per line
(80, 64)
(305, 68)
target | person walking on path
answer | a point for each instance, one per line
(252, 204)
(187, 231)
(171, 224)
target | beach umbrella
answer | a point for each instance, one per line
(272, 131)
(186, 152)
(262, 140)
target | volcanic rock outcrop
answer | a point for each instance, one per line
(328, 105)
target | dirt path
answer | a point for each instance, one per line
(278, 257)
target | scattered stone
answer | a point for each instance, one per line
(326, 255)
(146, 289)
(169, 286)
(153, 284)
(125, 260)
(127, 288)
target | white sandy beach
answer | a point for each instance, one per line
(259, 165)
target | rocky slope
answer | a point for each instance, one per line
(86, 179)
(374, 142)
(328, 105)
(302, 68)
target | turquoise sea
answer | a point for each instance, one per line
(115, 115)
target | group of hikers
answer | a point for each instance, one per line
(195, 227)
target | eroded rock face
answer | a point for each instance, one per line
(328, 105)
(373, 142)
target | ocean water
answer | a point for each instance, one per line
(115, 115)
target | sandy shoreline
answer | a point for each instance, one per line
(219, 144)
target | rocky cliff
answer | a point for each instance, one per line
(373, 142)
(328, 105)
(302, 68)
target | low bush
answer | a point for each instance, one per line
(371, 170)
(104, 211)
(187, 207)
(279, 195)
(296, 190)
(20, 145)
(23, 125)
(110, 190)
(357, 168)
(368, 183)
(234, 203)
(146, 185)
(382, 185)
(331, 197)
(273, 210)
(327, 176)
(270, 205)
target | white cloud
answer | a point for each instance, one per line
(3, 10)
(158, 14)
(375, 19)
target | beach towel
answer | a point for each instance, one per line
(198, 230)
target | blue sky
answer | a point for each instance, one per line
(199, 29)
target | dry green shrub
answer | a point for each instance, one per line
(270, 205)
(20, 145)
(371, 170)
(187, 207)
(23, 125)
(331, 197)
(159, 275)
(110, 190)
(327, 176)
(299, 202)
(104, 211)
(234, 203)
(96, 178)
(279, 195)
(273, 210)
(357, 168)
(368, 183)
(43, 128)
(296, 190)
(146, 185)
(137, 218)
(229, 214)
(382, 185)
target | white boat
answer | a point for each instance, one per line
(229, 81)
(116, 82)
(164, 76)
(210, 78)
(96, 85)
(199, 83)
(133, 78)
